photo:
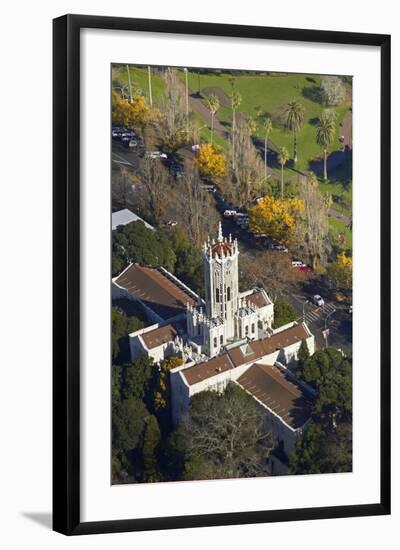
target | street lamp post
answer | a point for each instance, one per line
(149, 80)
(129, 83)
(187, 100)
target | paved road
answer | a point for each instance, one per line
(123, 156)
(339, 321)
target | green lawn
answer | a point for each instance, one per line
(139, 80)
(337, 227)
(342, 196)
(271, 93)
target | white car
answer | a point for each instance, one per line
(318, 300)
(156, 155)
(228, 213)
(280, 248)
(297, 263)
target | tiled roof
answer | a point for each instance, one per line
(158, 336)
(271, 386)
(155, 290)
(258, 298)
(202, 371)
(258, 348)
(222, 248)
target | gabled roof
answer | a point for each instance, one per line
(125, 216)
(258, 298)
(279, 394)
(202, 371)
(254, 350)
(159, 336)
(155, 290)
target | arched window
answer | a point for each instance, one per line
(246, 330)
(221, 339)
(252, 328)
(217, 294)
(215, 342)
(228, 293)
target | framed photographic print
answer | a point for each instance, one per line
(221, 274)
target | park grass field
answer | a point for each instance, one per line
(139, 80)
(336, 227)
(342, 196)
(269, 94)
(266, 94)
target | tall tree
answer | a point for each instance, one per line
(198, 216)
(294, 120)
(303, 353)
(213, 106)
(315, 242)
(154, 188)
(247, 179)
(283, 157)
(277, 218)
(236, 100)
(267, 128)
(325, 135)
(173, 123)
(332, 89)
(225, 436)
(151, 442)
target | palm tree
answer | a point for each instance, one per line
(283, 157)
(236, 100)
(294, 120)
(325, 135)
(213, 106)
(267, 126)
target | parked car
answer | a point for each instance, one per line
(176, 169)
(116, 131)
(297, 263)
(172, 223)
(195, 147)
(279, 247)
(229, 213)
(305, 268)
(209, 187)
(318, 300)
(156, 155)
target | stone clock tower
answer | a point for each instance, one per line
(221, 282)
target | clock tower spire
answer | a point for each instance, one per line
(221, 281)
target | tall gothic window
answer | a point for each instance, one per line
(252, 328)
(221, 339)
(215, 342)
(217, 294)
(228, 293)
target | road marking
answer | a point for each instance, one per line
(122, 162)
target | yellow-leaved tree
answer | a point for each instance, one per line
(278, 218)
(210, 161)
(340, 273)
(134, 113)
(162, 390)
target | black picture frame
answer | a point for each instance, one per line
(66, 273)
